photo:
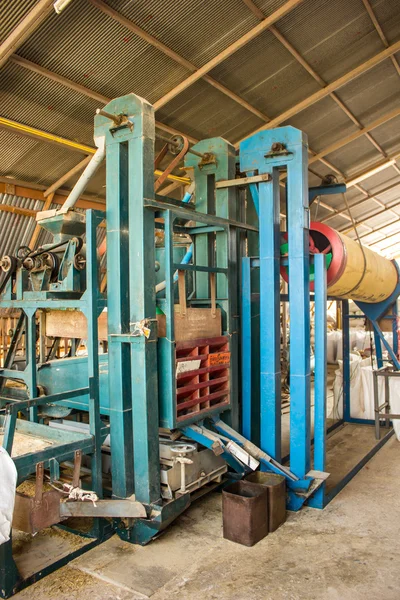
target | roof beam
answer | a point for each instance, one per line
(371, 216)
(386, 238)
(379, 30)
(320, 94)
(343, 211)
(390, 246)
(378, 229)
(353, 136)
(24, 29)
(31, 66)
(81, 89)
(377, 168)
(22, 129)
(231, 49)
(260, 15)
(35, 192)
(57, 184)
(175, 56)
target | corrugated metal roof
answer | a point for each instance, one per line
(92, 49)
(16, 230)
(11, 13)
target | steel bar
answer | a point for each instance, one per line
(243, 181)
(127, 509)
(50, 137)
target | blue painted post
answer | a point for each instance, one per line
(219, 248)
(92, 314)
(246, 349)
(320, 373)
(267, 152)
(346, 359)
(299, 306)
(131, 276)
(395, 329)
(378, 348)
(142, 307)
(31, 367)
(270, 335)
(118, 319)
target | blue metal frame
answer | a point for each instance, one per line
(257, 153)
(64, 443)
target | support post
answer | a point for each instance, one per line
(92, 314)
(267, 152)
(320, 374)
(132, 307)
(346, 360)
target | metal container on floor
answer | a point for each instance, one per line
(276, 486)
(245, 512)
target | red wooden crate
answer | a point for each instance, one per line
(207, 385)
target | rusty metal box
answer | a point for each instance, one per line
(276, 486)
(245, 512)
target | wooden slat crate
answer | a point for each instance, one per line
(202, 376)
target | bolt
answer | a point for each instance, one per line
(277, 147)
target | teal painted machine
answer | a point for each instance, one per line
(163, 400)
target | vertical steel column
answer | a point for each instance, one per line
(142, 300)
(221, 202)
(246, 348)
(92, 314)
(118, 313)
(30, 352)
(395, 329)
(378, 348)
(346, 359)
(253, 248)
(266, 152)
(131, 292)
(320, 374)
(270, 330)
(299, 306)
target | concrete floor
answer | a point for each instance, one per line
(349, 551)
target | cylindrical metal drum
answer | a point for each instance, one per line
(359, 274)
(352, 272)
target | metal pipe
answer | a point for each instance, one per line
(84, 179)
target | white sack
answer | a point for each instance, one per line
(8, 483)
(394, 395)
(355, 389)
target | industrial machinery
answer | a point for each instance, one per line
(341, 269)
(158, 416)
